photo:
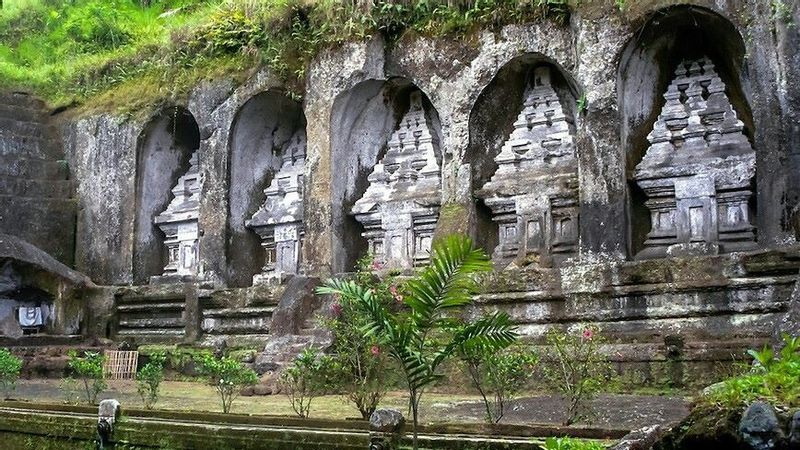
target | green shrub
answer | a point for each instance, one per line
(10, 367)
(228, 376)
(498, 375)
(89, 370)
(149, 378)
(566, 443)
(774, 377)
(577, 369)
(364, 365)
(310, 375)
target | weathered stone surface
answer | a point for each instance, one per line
(794, 430)
(759, 426)
(279, 221)
(641, 439)
(534, 192)
(386, 420)
(179, 223)
(697, 170)
(400, 207)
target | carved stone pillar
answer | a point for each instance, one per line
(279, 221)
(401, 205)
(533, 194)
(698, 170)
(179, 222)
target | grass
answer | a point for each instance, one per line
(126, 55)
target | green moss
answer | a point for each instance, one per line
(117, 55)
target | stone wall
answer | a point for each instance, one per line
(609, 72)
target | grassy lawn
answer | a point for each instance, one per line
(196, 396)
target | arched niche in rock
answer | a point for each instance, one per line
(703, 47)
(524, 163)
(265, 132)
(164, 149)
(369, 123)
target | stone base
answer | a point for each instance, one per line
(693, 249)
(172, 279)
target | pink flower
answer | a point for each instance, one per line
(375, 350)
(398, 297)
(588, 333)
(336, 309)
(393, 290)
(376, 265)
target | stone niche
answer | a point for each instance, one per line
(165, 147)
(179, 223)
(267, 154)
(279, 221)
(364, 119)
(673, 38)
(400, 207)
(533, 194)
(698, 171)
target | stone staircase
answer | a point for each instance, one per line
(36, 195)
(151, 316)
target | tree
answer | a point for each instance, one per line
(149, 378)
(427, 332)
(310, 375)
(89, 369)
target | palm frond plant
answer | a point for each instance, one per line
(427, 331)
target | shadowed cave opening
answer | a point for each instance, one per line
(163, 150)
(362, 120)
(647, 67)
(261, 131)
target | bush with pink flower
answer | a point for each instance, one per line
(361, 359)
(576, 367)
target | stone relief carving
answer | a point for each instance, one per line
(400, 207)
(698, 170)
(179, 222)
(533, 194)
(279, 221)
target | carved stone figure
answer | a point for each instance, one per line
(533, 194)
(279, 221)
(698, 170)
(400, 207)
(179, 222)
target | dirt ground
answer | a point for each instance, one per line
(611, 410)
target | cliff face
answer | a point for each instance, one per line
(610, 75)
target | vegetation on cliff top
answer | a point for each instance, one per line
(131, 54)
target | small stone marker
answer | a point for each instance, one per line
(385, 429)
(759, 427)
(107, 414)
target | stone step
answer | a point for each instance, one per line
(243, 313)
(13, 127)
(30, 147)
(235, 340)
(151, 336)
(152, 323)
(42, 188)
(24, 113)
(22, 99)
(33, 168)
(129, 307)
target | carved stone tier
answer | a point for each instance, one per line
(179, 222)
(533, 194)
(400, 207)
(698, 170)
(279, 221)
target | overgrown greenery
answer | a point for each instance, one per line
(89, 370)
(364, 365)
(498, 375)
(10, 367)
(135, 53)
(576, 368)
(427, 331)
(567, 443)
(228, 376)
(774, 377)
(149, 378)
(310, 375)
